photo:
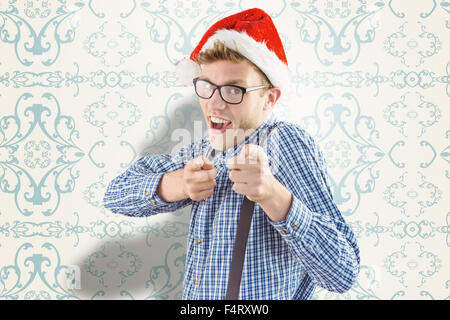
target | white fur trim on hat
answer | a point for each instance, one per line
(187, 70)
(258, 53)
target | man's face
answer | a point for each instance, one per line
(246, 116)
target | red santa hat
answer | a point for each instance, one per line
(251, 33)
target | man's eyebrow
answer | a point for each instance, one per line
(232, 82)
(237, 82)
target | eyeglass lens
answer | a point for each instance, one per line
(230, 94)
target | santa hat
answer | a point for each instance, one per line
(251, 33)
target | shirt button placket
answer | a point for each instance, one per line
(199, 250)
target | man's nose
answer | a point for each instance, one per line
(216, 101)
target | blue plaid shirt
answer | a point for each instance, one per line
(285, 259)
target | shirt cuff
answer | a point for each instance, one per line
(297, 222)
(148, 189)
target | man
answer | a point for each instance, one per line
(298, 239)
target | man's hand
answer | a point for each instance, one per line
(251, 173)
(199, 178)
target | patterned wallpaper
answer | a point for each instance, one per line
(87, 87)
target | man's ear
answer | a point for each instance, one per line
(271, 97)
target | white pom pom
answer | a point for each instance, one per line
(187, 70)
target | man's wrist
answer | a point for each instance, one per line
(278, 202)
(168, 190)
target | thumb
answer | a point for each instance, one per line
(207, 164)
(201, 163)
(248, 154)
(197, 163)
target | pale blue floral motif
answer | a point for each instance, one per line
(33, 189)
(31, 266)
(445, 154)
(44, 229)
(375, 229)
(98, 229)
(339, 9)
(412, 194)
(33, 295)
(337, 154)
(101, 229)
(112, 265)
(164, 279)
(179, 38)
(412, 264)
(187, 11)
(332, 41)
(112, 44)
(43, 45)
(400, 229)
(168, 230)
(365, 289)
(412, 50)
(112, 114)
(398, 79)
(98, 147)
(94, 192)
(100, 79)
(446, 6)
(423, 11)
(424, 229)
(412, 113)
(341, 117)
(186, 116)
(37, 8)
(37, 154)
(122, 9)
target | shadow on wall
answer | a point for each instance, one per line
(148, 265)
(136, 268)
(181, 124)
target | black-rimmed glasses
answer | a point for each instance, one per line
(229, 93)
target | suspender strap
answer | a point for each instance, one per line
(240, 244)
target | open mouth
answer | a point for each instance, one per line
(219, 124)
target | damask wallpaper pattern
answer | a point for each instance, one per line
(87, 87)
